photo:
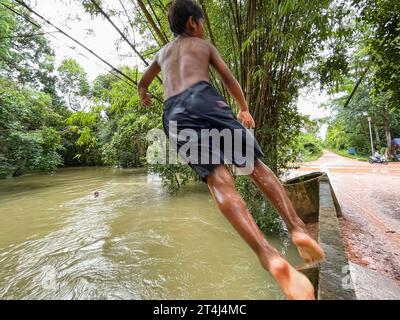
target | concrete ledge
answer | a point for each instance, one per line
(304, 193)
(335, 281)
(332, 277)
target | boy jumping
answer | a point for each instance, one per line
(194, 104)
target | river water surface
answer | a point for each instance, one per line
(135, 241)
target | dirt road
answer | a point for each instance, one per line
(369, 196)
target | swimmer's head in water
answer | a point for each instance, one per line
(186, 18)
(96, 194)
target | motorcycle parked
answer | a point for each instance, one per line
(376, 159)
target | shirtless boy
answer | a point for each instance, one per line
(194, 104)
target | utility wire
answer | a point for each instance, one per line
(108, 18)
(119, 72)
(76, 41)
(356, 87)
(28, 35)
(73, 48)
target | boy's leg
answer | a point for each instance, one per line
(294, 284)
(269, 184)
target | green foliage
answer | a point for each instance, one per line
(335, 137)
(127, 147)
(174, 176)
(85, 126)
(381, 20)
(28, 60)
(73, 84)
(31, 113)
(113, 132)
(349, 127)
(28, 139)
(310, 147)
(124, 139)
(377, 50)
(264, 215)
(35, 150)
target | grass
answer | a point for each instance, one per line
(312, 157)
(345, 154)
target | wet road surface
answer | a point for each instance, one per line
(369, 195)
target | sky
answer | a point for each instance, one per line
(102, 40)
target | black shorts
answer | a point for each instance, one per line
(202, 109)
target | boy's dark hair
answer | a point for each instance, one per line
(179, 13)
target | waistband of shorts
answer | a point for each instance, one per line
(190, 89)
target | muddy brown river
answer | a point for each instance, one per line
(135, 241)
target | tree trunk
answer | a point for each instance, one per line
(250, 53)
(20, 167)
(150, 19)
(378, 139)
(386, 124)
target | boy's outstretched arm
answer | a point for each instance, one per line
(148, 76)
(233, 86)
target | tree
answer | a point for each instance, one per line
(25, 54)
(380, 22)
(308, 145)
(31, 114)
(266, 43)
(73, 84)
(28, 138)
(375, 90)
(125, 137)
(114, 130)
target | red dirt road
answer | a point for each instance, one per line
(369, 195)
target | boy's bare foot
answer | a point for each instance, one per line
(309, 249)
(294, 284)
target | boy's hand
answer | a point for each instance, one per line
(247, 120)
(144, 83)
(145, 99)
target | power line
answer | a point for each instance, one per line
(28, 35)
(21, 15)
(119, 72)
(76, 41)
(356, 87)
(107, 17)
(51, 34)
(131, 25)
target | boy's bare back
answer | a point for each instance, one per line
(183, 63)
(186, 60)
